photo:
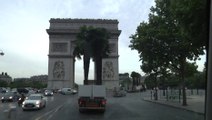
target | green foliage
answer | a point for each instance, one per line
(192, 16)
(97, 39)
(150, 81)
(22, 84)
(174, 33)
(197, 81)
(3, 83)
(136, 78)
(166, 38)
(92, 42)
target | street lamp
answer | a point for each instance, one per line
(1, 52)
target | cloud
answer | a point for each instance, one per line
(25, 41)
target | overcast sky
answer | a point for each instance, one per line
(24, 40)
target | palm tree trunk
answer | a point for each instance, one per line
(98, 66)
(86, 60)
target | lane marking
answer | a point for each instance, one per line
(50, 116)
(47, 113)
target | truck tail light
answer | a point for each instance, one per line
(80, 102)
(103, 102)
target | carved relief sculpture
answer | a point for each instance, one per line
(58, 70)
(108, 71)
(59, 47)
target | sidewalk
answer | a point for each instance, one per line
(196, 103)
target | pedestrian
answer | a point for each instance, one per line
(21, 100)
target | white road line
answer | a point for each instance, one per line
(47, 113)
(54, 112)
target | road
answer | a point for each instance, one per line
(131, 107)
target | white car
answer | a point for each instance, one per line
(34, 101)
(66, 91)
(48, 93)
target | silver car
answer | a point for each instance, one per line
(34, 101)
(9, 96)
(48, 93)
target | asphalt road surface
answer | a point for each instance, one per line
(131, 107)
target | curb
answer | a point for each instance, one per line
(200, 113)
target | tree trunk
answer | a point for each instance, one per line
(86, 60)
(182, 71)
(197, 91)
(98, 66)
(156, 94)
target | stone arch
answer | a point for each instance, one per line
(62, 35)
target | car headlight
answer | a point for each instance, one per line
(2, 97)
(52, 93)
(37, 102)
(11, 97)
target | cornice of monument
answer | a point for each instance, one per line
(60, 56)
(74, 31)
(111, 56)
(76, 20)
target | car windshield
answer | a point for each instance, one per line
(48, 91)
(34, 97)
(8, 93)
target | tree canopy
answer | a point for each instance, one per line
(92, 43)
(174, 33)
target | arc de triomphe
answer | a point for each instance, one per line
(62, 36)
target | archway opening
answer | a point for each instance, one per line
(79, 72)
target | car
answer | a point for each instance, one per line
(74, 91)
(22, 90)
(2, 90)
(34, 101)
(117, 92)
(66, 91)
(9, 97)
(48, 93)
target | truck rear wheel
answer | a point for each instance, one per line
(81, 110)
(102, 111)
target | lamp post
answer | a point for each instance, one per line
(1, 53)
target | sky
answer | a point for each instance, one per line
(25, 42)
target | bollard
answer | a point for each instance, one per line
(151, 94)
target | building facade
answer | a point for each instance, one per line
(5, 77)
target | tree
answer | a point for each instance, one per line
(125, 80)
(83, 47)
(100, 49)
(3, 83)
(150, 81)
(92, 43)
(163, 44)
(136, 78)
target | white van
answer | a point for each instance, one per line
(66, 91)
